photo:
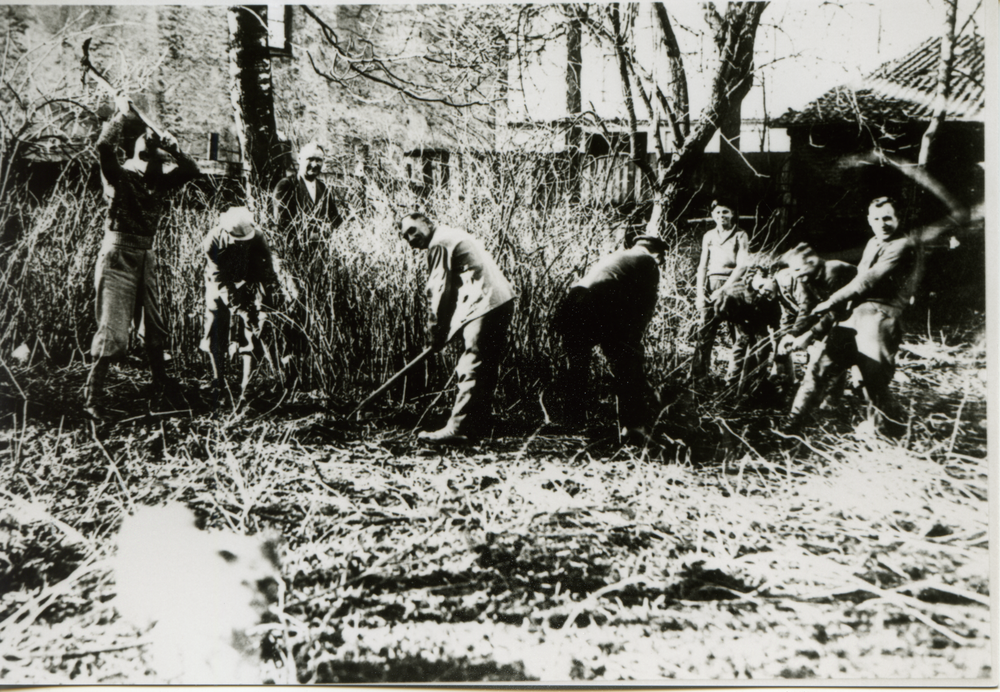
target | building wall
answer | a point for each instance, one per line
(174, 63)
(833, 180)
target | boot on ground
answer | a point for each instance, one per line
(448, 435)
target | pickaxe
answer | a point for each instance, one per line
(88, 66)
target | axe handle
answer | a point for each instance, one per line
(392, 380)
(103, 81)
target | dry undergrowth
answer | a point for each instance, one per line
(529, 557)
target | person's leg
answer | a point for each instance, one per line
(738, 370)
(250, 317)
(477, 370)
(93, 391)
(828, 360)
(708, 327)
(575, 384)
(631, 389)
(116, 277)
(219, 352)
(573, 325)
(879, 336)
(701, 359)
(783, 372)
(835, 392)
(154, 330)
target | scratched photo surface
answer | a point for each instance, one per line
(468, 343)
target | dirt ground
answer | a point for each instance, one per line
(539, 555)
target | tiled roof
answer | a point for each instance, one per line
(903, 90)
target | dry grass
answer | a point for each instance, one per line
(727, 553)
(529, 557)
(361, 301)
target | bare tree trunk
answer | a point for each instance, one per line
(680, 108)
(729, 147)
(623, 75)
(253, 98)
(943, 89)
(734, 36)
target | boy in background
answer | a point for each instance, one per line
(724, 250)
(239, 267)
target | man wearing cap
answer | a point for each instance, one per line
(125, 273)
(611, 306)
(724, 249)
(304, 198)
(885, 283)
(467, 293)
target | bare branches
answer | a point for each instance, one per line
(970, 18)
(623, 62)
(715, 23)
(943, 88)
(466, 67)
(678, 77)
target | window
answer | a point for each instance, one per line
(279, 29)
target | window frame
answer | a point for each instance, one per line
(285, 50)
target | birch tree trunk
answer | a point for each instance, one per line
(943, 89)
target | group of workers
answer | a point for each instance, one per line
(844, 315)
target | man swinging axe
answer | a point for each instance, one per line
(125, 273)
(466, 292)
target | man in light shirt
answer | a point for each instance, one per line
(467, 293)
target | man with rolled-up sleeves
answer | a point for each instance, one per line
(125, 276)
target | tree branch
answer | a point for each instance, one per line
(367, 66)
(678, 77)
(623, 60)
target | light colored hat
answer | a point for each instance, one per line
(236, 217)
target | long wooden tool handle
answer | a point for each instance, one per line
(103, 81)
(392, 380)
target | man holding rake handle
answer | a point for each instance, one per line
(885, 283)
(125, 273)
(466, 292)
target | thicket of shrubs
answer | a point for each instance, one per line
(360, 285)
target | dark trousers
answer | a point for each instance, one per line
(582, 328)
(749, 353)
(869, 339)
(478, 368)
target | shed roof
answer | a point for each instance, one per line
(902, 90)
